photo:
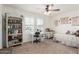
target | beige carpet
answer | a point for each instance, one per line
(46, 47)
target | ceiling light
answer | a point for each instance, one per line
(47, 13)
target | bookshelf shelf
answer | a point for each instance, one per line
(15, 34)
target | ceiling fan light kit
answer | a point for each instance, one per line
(49, 8)
(47, 13)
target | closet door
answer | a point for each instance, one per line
(0, 26)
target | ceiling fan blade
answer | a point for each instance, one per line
(55, 10)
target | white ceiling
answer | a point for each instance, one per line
(40, 8)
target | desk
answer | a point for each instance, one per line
(49, 34)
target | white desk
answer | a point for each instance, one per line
(49, 34)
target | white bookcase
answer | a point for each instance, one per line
(14, 31)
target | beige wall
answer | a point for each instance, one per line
(17, 12)
(65, 14)
(64, 28)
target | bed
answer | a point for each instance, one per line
(67, 39)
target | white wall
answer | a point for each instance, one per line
(0, 26)
(64, 28)
(17, 12)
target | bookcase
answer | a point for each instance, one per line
(13, 31)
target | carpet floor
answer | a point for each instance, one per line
(45, 47)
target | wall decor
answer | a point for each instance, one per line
(64, 20)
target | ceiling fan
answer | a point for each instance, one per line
(49, 8)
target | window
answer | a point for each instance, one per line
(39, 24)
(33, 24)
(29, 24)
